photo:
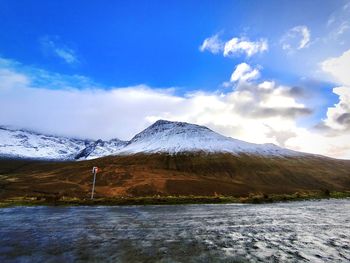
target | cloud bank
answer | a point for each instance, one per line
(338, 116)
(250, 109)
(338, 68)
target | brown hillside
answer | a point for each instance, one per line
(182, 174)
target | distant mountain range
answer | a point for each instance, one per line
(167, 158)
(161, 137)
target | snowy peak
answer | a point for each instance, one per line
(174, 137)
(169, 128)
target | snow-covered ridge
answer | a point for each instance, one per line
(162, 136)
(28, 144)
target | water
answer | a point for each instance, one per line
(312, 231)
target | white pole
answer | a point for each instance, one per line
(93, 185)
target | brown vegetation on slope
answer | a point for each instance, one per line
(182, 174)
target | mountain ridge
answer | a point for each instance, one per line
(162, 136)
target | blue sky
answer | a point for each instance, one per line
(109, 45)
(155, 42)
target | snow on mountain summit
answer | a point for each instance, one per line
(174, 137)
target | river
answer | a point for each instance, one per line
(308, 231)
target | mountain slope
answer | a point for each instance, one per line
(181, 174)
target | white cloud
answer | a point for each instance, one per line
(338, 24)
(296, 38)
(212, 44)
(9, 79)
(66, 54)
(234, 46)
(338, 68)
(306, 140)
(336, 125)
(260, 112)
(52, 45)
(242, 45)
(330, 21)
(243, 72)
(338, 116)
(306, 36)
(343, 27)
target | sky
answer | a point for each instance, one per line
(260, 71)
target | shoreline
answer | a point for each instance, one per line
(171, 200)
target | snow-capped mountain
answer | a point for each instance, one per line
(174, 137)
(28, 144)
(161, 137)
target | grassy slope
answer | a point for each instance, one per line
(164, 175)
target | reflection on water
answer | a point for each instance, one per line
(300, 231)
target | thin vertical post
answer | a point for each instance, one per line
(93, 185)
